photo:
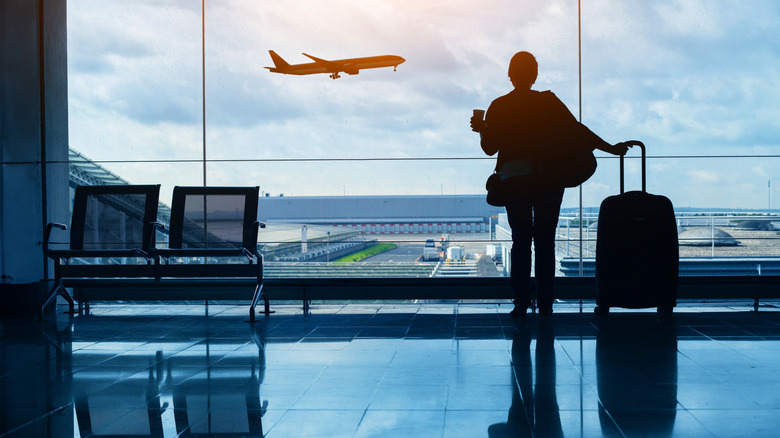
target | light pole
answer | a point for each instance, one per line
(304, 240)
(203, 77)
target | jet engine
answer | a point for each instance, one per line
(351, 69)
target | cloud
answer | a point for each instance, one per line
(759, 171)
(688, 77)
(703, 177)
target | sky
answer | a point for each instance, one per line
(689, 78)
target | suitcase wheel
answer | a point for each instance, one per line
(602, 311)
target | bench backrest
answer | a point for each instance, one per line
(214, 217)
(114, 217)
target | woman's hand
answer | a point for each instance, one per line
(619, 148)
(477, 124)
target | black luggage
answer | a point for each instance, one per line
(637, 255)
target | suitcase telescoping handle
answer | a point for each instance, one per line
(632, 143)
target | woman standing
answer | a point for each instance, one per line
(525, 127)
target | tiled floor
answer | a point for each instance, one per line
(359, 370)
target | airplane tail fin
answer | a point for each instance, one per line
(278, 61)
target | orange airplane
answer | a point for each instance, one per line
(350, 66)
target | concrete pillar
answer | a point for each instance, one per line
(33, 144)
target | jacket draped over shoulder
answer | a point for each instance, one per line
(533, 125)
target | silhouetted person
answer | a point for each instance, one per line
(534, 411)
(526, 126)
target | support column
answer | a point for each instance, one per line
(33, 145)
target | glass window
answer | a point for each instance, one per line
(387, 155)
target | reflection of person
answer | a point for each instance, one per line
(525, 126)
(534, 410)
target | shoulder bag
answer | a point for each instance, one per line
(568, 169)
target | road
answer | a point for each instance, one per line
(405, 252)
(410, 246)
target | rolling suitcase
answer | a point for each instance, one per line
(637, 255)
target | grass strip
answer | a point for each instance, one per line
(366, 253)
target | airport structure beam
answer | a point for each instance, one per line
(34, 145)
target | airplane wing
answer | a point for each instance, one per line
(330, 65)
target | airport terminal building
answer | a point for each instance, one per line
(384, 214)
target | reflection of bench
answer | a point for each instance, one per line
(228, 395)
(212, 252)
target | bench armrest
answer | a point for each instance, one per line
(154, 226)
(141, 253)
(47, 234)
(253, 252)
(249, 254)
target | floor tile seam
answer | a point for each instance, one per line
(53, 411)
(312, 382)
(601, 407)
(370, 409)
(115, 382)
(360, 421)
(576, 363)
(127, 411)
(364, 412)
(370, 399)
(216, 348)
(757, 407)
(759, 337)
(721, 344)
(445, 398)
(581, 409)
(141, 405)
(194, 375)
(293, 409)
(169, 353)
(702, 425)
(706, 337)
(338, 366)
(694, 410)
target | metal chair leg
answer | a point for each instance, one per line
(259, 292)
(255, 297)
(58, 290)
(266, 302)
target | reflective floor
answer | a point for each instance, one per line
(435, 370)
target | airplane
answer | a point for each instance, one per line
(350, 66)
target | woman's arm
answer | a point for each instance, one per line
(616, 149)
(487, 141)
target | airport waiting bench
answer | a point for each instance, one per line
(113, 255)
(212, 255)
